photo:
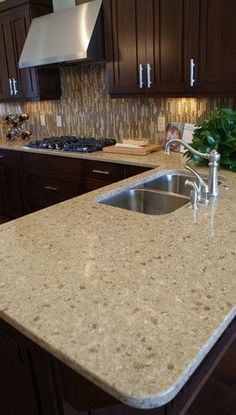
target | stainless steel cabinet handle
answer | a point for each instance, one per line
(15, 86)
(101, 172)
(192, 72)
(149, 72)
(10, 85)
(55, 189)
(141, 76)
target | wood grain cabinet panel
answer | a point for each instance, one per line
(16, 380)
(29, 83)
(30, 181)
(217, 59)
(11, 202)
(170, 47)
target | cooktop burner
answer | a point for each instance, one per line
(72, 143)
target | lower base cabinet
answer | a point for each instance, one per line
(11, 202)
(25, 380)
(30, 181)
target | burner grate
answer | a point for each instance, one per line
(72, 143)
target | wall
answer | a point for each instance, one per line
(87, 110)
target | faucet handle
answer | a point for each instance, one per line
(193, 194)
(203, 188)
(214, 156)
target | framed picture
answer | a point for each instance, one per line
(187, 135)
(173, 130)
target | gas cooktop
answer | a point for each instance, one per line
(72, 143)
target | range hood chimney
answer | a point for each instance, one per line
(62, 4)
(67, 35)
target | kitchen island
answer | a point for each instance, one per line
(131, 302)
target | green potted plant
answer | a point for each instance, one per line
(218, 132)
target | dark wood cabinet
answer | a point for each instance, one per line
(216, 70)
(30, 181)
(26, 382)
(125, 40)
(18, 395)
(11, 204)
(99, 174)
(170, 47)
(30, 83)
(49, 179)
(147, 52)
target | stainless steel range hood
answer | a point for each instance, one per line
(68, 35)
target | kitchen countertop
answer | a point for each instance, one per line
(130, 301)
(151, 160)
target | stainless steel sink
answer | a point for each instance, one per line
(171, 182)
(155, 196)
(146, 201)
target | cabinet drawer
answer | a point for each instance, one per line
(53, 163)
(104, 171)
(93, 184)
(11, 156)
(38, 201)
(130, 171)
(52, 186)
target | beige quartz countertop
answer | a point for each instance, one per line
(130, 301)
(151, 160)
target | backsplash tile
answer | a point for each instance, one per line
(87, 110)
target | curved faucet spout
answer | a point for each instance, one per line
(186, 145)
(213, 158)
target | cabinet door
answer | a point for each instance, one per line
(43, 189)
(217, 66)
(15, 83)
(125, 45)
(10, 191)
(4, 70)
(172, 36)
(160, 35)
(23, 80)
(17, 395)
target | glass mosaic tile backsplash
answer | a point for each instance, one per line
(87, 110)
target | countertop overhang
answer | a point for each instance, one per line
(130, 301)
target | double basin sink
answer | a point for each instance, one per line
(154, 196)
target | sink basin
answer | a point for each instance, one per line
(146, 201)
(172, 182)
(155, 196)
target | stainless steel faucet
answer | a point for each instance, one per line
(212, 189)
(202, 186)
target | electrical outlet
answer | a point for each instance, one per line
(161, 123)
(42, 120)
(58, 121)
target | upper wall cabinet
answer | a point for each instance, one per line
(17, 84)
(170, 47)
(216, 67)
